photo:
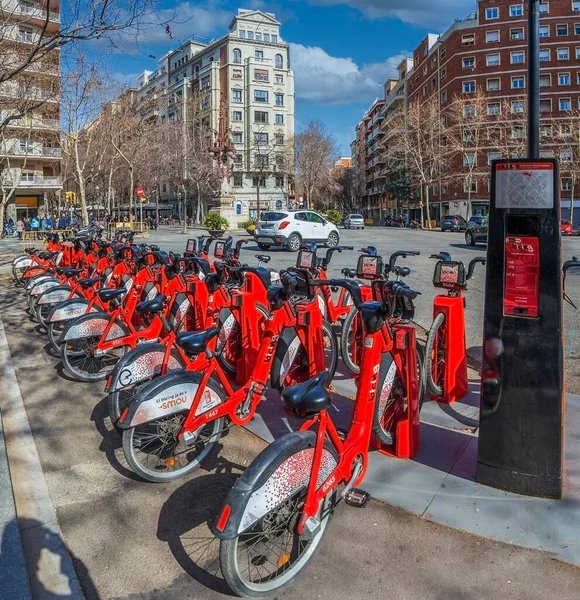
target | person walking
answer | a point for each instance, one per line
(62, 222)
(20, 228)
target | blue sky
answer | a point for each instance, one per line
(342, 51)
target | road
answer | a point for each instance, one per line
(136, 540)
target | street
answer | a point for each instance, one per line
(136, 540)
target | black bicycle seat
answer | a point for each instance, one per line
(46, 255)
(263, 258)
(349, 272)
(402, 271)
(110, 294)
(88, 282)
(72, 272)
(151, 306)
(194, 342)
(310, 396)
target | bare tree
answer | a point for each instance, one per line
(565, 137)
(316, 152)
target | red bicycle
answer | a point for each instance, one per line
(278, 511)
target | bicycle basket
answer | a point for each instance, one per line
(190, 247)
(449, 275)
(369, 267)
(219, 250)
(306, 260)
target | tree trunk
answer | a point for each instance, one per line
(2, 213)
(469, 200)
(131, 194)
(572, 200)
(199, 216)
(427, 206)
(184, 230)
(422, 208)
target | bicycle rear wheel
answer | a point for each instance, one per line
(351, 340)
(435, 356)
(391, 402)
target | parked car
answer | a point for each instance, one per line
(354, 222)
(566, 228)
(290, 228)
(453, 223)
(476, 231)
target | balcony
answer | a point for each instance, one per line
(32, 13)
(34, 123)
(18, 150)
(37, 181)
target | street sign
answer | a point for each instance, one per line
(140, 192)
(142, 199)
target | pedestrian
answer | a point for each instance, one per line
(19, 228)
(49, 224)
(62, 222)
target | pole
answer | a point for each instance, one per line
(141, 211)
(533, 78)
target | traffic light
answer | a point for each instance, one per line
(70, 197)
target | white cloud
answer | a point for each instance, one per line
(434, 13)
(329, 80)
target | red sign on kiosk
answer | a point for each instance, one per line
(522, 276)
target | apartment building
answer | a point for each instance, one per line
(487, 51)
(30, 153)
(246, 88)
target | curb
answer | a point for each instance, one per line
(48, 562)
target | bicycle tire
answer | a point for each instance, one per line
(391, 400)
(345, 341)
(435, 333)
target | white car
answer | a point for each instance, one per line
(291, 228)
(354, 222)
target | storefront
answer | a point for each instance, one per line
(26, 206)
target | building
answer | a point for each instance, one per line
(487, 51)
(246, 90)
(30, 153)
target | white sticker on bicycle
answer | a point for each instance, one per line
(289, 357)
(386, 397)
(225, 332)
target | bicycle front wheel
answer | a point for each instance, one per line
(351, 340)
(435, 356)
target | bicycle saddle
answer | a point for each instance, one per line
(151, 306)
(88, 282)
(263, 258)
(194, 342)
(402, 271)
(46, 255)
(310, 396)
(349, 272)
(110, 294)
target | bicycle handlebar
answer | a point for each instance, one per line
(472, 263)
(326, 261)
(444, 256)
(570, 264)
(239, 245)
(395, 255)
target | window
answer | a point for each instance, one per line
(517, 58)
(492, 13)
(516, 10)
(258, 37)
(237, 53)
(518, 83)
(237, 137)
(242, 34)
(260, 117)
(561, 30)
(444, 97)
(25, 34)
(434, 82)
(565, 104)
(443, 52)
(279, 99)
(517, 34)
(469, 87)
(491, 36)
(261, 160)
(260, 138)
(266, 37)
(274, 39)
(468, 40)
(205, 84)
(473, 187)
(250, 35)
(237, 115)
(469, 63)
(278, 78)
(494, 108)
(566, 156)
(492, 60)
(260, 96)
(279, 120)
(259, 53)
(563, 53)
(493, 156)
(545, 105)
(566, 184)
(493, 85)
(469, 160)
(261, 75)
(565, 130)
(469, 110)
(238, 160)
(576, 5)
(517, 106)
(237, 96)
(425, 70)
(544, 31)
(544, 8)
(563, 78)
(238, 180)
(279, 139)
(443, 73)
(279, 61)
(518, 132)
(544, 55)
(280, 182)
(546, 131)
(577, 53)
(433, 62)
(576, 28)
(578, 78)
(259, 182)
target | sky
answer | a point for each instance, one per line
(341, 51)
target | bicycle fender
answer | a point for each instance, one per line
(22, 261)
(93, 325)
(165, 396)
(70, 309)
(56, 295)
(276, 474)
(44, 285)
(36, 280)
(140, 364)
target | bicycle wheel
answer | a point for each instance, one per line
(269, 553)
(229, 345)
(391, 402)
(154, 452)
(54, 331)
(435, 356)
(81, 363)
(351, 340)
(292, 365)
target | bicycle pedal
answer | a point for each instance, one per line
(357, 498)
